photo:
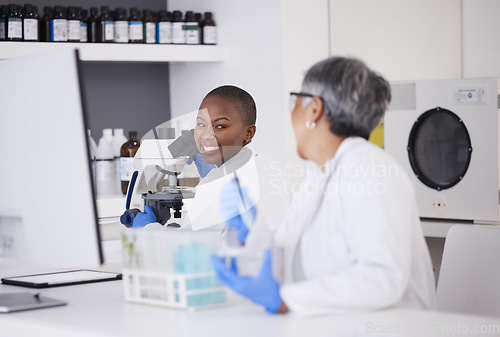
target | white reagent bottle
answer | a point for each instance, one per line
(118, 140)
(104, 165)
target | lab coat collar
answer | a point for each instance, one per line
(230, 166)
(332, 164)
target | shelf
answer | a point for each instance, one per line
(115, 52)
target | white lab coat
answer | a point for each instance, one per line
(255, 178)
(352, 240)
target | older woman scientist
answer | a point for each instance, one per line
(351, 240)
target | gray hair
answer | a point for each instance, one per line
(355, 98)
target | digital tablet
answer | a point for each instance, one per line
(11, 302)
(64, 278)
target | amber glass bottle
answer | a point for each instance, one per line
(209, 29)
(105, 26)
(135, 34)
(149, 27)
(127, 153)
(44, 30)
(14, 23)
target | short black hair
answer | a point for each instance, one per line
(238, 96)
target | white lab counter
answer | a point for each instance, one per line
(99, 310)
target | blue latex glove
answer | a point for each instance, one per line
(144, 218)
(203, 168)
(232, 210)
(263, 289)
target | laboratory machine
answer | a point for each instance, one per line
(444, 133)
(159, 163)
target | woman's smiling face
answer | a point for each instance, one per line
(221, 130)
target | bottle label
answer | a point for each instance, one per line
(178, 32)
(74, 30)
(109, 31)
(126, 168)
(15, 28)
(149, 32)
(164, 32)
(209, 35)
(59, 30)
(192, 33)
(105, 172)
(135, 30)
(121, 31)
(30, 29)
(2, 29)
(83, 32)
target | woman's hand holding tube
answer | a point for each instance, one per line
(234, 203)
(262, 289)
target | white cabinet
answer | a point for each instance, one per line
(110, 209)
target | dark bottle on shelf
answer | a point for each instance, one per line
(44, 24)
(178, 33)
(84, 16)
(73, 25)
(199, 18)
(30, 23)
(191, 29)
(135, 33)
(92, 25)
(121, 25)
(164, 27)
(14, 23)
(209, 29)
(105, 26)
(127, 153)
(4, 10)
(59, 25)
(149, 29)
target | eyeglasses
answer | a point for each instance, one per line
(293, 99)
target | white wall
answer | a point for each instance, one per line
(481, 38)
(251, 33)
(403, 40)
(305, 42)
(269, 45)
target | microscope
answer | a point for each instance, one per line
(158, 164)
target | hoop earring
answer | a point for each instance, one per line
(310, 125)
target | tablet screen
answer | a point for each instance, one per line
(61, 278)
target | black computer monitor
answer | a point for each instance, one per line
(47, 207)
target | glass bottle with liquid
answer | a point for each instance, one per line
(199, 18)
(127, 153)
(30, 23)
(105, 26)
(178, 33)
(45, 24)
(191, 29)
(164, 27)
(104, 165)
(59, 25)
(92, 25)
(4, 10)
(84, 16)
(121, 26)
(135, 34)
(73, 25)
(149, 29)
(14, 23)
(209, 29)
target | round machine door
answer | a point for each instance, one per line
(439, 149)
